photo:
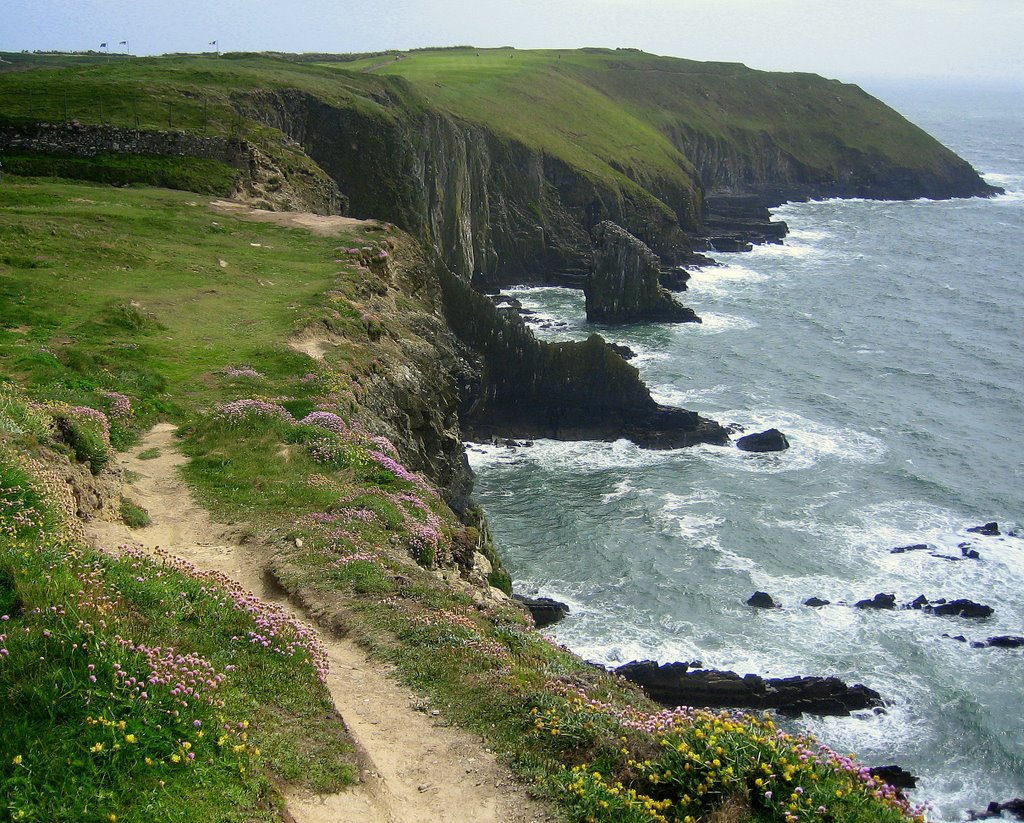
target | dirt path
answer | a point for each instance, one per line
(413, 770)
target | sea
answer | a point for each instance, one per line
(886, 340)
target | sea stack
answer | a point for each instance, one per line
(624, 286)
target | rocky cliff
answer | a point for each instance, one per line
(495, 209)
(625, 286)
(522, 387)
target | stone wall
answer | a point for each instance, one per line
(79, 140)
(261, 180)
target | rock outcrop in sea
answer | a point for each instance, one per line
(673, 684)
(625, 286)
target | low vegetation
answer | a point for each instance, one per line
(135, 687)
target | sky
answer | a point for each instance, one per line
(978, 41)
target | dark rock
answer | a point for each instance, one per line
(674, 279)
(729, 244)
(895, 776)
(1006, 641)
(674, 685)
(959, 638)
(625, 286)
(514, 385)
(544, 610)
(879, 601)
(990, 529)
(762, 600)
(735, 428)
(977, 644)
(816, 602)
(735, 221)
(507, 300)
(625, 352)
(770, 440)
(961, 608)
(919, 602)
(1014, 807)
(916, 547)
(969, 553)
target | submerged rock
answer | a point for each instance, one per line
(816, 602)
(1014, 807)
(762, 600)
(916, 547)
(879, 601)
(989, 529)
(625, 285)
(961, 608)
(770, 440)
(1006, 641)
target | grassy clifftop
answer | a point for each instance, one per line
(501, 160)
(612, 114)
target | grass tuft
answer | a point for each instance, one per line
(133, 515)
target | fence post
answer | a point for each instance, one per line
(65, 107)
(169, 104)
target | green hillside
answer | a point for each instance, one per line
(122, 307)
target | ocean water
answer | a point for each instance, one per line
(885, 340)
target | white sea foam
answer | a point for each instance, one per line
(715, 323)
(670, 395)
(726, 273)
(809, 441)
(622, 489)
(582, 455)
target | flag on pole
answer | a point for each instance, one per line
(123, 43)
(213, 42)
(103, 45)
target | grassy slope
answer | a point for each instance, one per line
(615, 104)
(75, 257)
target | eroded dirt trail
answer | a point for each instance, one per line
(413, 770)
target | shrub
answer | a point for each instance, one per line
(132, 515)
(87, 432)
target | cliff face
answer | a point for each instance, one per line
(625, 285)
(759, 164)
(522, 387)
(495, 210)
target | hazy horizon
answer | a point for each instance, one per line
(966, 41)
